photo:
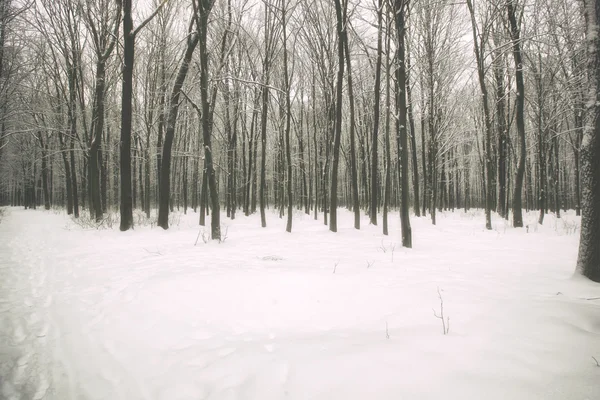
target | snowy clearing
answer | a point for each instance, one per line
(99, 314)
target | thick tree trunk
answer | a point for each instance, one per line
(588, 261)
(126, 208)
(337, 135)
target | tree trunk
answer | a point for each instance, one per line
(479, 55)
(399, 12)
(95, 147)
(588, 261)
(204, 11)
(165, 172)
(413, 140)
(353, 169)
(126, 118)
(516, 44)
(376, 117)
(288, 111)
(263, 118)
(502, 134)
(337, 135)
(387, 187)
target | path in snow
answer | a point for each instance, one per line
(100, 314)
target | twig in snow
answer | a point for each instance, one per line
(224, 235)
(156, 253)
(370, 264)
(335, 265)
(445, 321)
(197, 237)
(593, 298)
(205, 237)
(597, 364)
(387, 332)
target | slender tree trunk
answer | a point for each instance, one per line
(479, 55)
(264, 115)
(337, 135)
(399, 12)
(288, 112)
(126, 118)
(376, 117)
(44, 146)
(520, 119)
(502, 133)
(353, 170)
(205, 8)
(165, 172)
(387, 187)
(413, 140)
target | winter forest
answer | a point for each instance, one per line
(320, 170)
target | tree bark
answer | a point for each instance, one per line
(588, 261)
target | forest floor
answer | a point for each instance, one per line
(90, 313)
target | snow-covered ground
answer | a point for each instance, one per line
(99, 314)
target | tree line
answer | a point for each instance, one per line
(299, 105)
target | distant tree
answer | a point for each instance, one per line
(588, 261)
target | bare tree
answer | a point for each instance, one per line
(129, 36)
(400, 8)
(165, 170)
(520, 120)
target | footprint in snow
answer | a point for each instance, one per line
(19, 334)
(42, 388)
(272, 258)
(48, 301)
(44, 331)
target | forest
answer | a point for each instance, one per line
(299, 199)
(241, 106)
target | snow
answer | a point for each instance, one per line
(100, 314)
